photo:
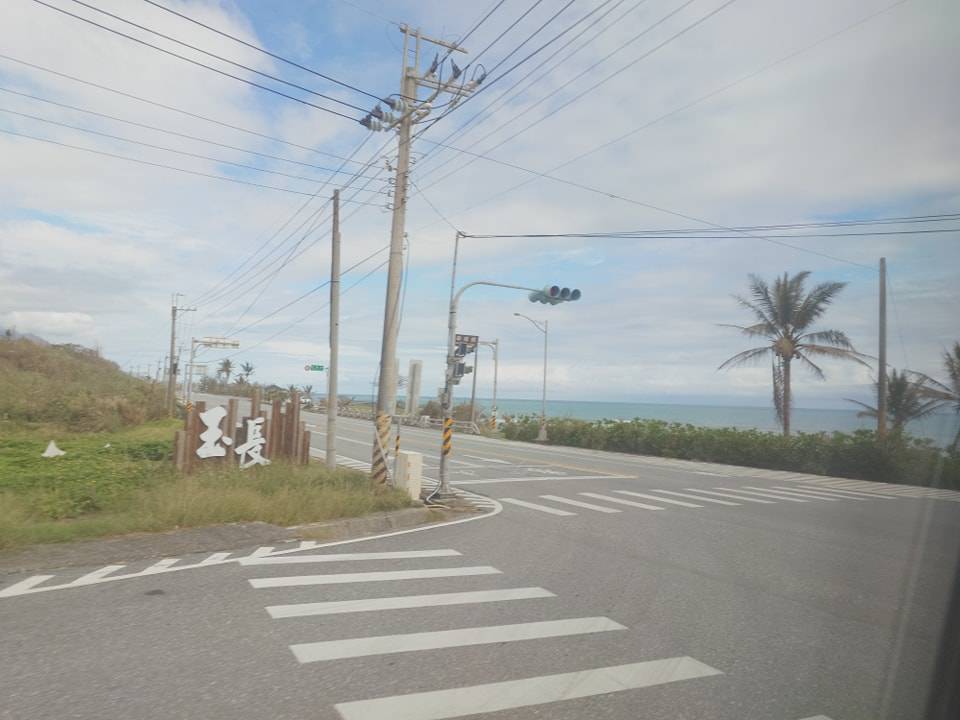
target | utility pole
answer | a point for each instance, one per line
(545, 329)
(495, 346)
(172, 366)
(410, 110)
(882, 354)
(334, 335)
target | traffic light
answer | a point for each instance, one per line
(554, 294)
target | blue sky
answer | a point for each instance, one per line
(862, 124)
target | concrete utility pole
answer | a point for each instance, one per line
(473, 389)
(334, 335)
(882, 355)
(495, 346)
(410, 110)
(172, 365)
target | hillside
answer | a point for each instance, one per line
(71, 387)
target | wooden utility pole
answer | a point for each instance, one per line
(882, 355)
(334, 335)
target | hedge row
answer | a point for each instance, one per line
(860, 455)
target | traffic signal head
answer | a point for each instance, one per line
(554, 294)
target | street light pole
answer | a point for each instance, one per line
(544, 328)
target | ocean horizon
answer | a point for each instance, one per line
(941, 428)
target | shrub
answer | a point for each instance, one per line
(858, 455)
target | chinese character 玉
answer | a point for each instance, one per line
(253, 446)
(213, 434)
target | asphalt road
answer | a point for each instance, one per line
(602, 586)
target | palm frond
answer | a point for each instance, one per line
(838, 353)
(836, 338)
(812, 366)
(868, 410)
(761, 329)
(816, 302)
(760, 291)
(761, 314)
(742, 358)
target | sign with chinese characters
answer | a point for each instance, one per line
(229, 435)
(215, 442)
(316, 367)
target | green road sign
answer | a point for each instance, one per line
(317, 368)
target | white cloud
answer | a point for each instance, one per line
(61, 326)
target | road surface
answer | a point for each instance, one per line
(600, 586)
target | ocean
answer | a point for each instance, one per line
(941, 428)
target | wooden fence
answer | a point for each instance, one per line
(285, 434)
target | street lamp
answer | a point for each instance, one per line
(542, 435)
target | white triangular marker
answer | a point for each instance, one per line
(52, 450)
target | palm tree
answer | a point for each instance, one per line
(226, 368)
(948, 392)
(907, 399)
(307, 391)
(247, 369)
(784, 314)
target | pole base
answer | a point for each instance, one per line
(542, 435)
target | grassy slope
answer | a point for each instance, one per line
(117, 475)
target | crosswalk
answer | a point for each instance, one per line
(879, 488)
(447, 702)
(313, 646)
(616, 501)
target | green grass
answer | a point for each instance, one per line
(131, 486)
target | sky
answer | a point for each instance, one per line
(742, 113)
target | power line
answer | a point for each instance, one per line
(600, 83)
(262, 50)
(166, 167)
(646, 236)
(434, 207)
(784, 58)
(154, 103)
(196, 62)
(505, 97)
(159, 147)
(168, 132)
(243, 276)
(218, 57)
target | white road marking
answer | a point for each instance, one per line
(842, 493)
(817, 717)
(462, 637)
(621, 501)
(97, 574)
(733, 497)
(490, 460)
(790, 493)
(580, 503)
(814, 493)
(215, 558)
(488, 698)
(658, 499)
(538, 479)
(535, 506)
(348, 557)
(261, 551)
(383, 576)
(695, 497)
(762, 494)
(24, 584)
(333, 607)
(704, 472)
(161, 565)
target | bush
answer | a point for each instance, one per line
(859, 455)
(72, 387)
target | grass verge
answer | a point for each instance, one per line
(122, 482)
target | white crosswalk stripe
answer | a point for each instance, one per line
(730, 496)
(790, 493)
(23, 585)
(837, 492)
(333, 607)
(764, 493)
(620, 501)
(511, 694)
(695, 497)
(462, 637)
(814, 492)
(360, 577)
(580, 503)
(537, 506)
(348, 557)
(657, 498)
